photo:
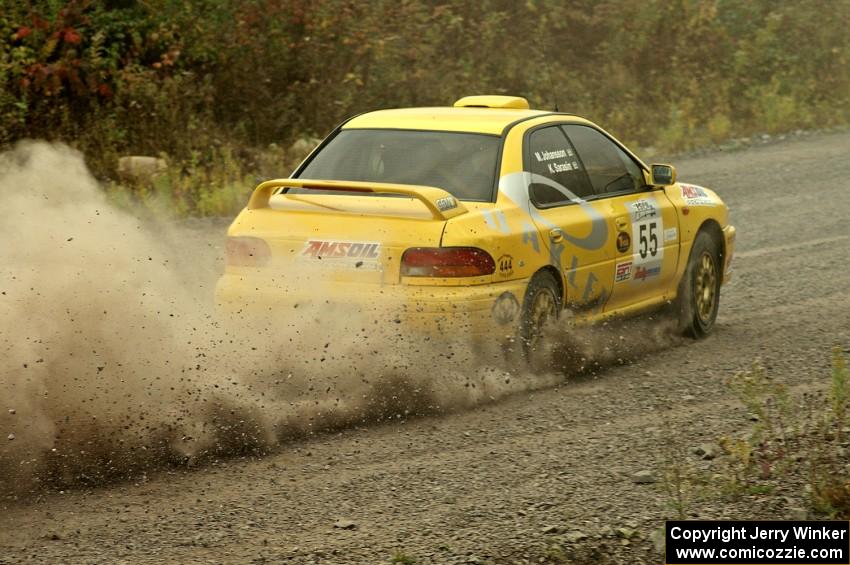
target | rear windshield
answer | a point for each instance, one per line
(463, 164)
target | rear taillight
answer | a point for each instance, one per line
(246, 252)
(446, 262)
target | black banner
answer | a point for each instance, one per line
(703, 542)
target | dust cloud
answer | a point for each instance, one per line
(113, 360)
(585, 350)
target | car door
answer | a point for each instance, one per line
(575, 230)
(644, 220)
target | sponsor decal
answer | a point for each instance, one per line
(642, 273)
(505, 309)
(671, 234)
(642, 209)
(647, 233)
(690, 191)
(356, 254)
(623, 271)
(695, 195)
(515, 187)
(529, 237)
(506, 265)
(446, 203)
(624, 242)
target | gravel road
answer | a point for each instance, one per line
(504, 482)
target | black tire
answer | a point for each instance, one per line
(540, 309)
(698, 299)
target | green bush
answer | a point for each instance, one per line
(196, 79)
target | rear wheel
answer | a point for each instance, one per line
(540, 310)
(699, 291)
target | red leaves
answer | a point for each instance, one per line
(68, 34)
(46, 79)
(71, 36)
(58, 60)
(39, 23)
(22, 32)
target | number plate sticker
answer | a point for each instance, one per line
(647, 234)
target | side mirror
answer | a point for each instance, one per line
(662, 175)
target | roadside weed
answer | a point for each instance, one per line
(402, 558)
(829, 472)
(805, 434)
(763, 454)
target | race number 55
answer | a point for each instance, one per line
(648, 239)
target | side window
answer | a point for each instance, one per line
(551, 155)
(609, 168)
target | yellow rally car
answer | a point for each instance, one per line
(488, 216)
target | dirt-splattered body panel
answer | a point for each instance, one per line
(615, 245)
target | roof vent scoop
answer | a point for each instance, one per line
(493, 101)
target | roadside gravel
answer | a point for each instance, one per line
(567, 472)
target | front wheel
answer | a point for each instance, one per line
(699, 292)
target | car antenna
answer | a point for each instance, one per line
(556, 107)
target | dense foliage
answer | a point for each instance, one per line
(206, 80)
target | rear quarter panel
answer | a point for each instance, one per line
(505, 232)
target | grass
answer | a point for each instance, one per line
(829, 480)
(682, 483)
(764, 452)
(402, 558)
(214, 185)
(792, 440)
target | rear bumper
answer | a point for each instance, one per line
(480, 310)
(729, 239)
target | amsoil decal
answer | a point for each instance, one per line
(623, 272)
(695, 195)
(357, 254)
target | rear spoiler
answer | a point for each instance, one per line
(439, 202)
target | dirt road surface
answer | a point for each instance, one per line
(499, 483)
